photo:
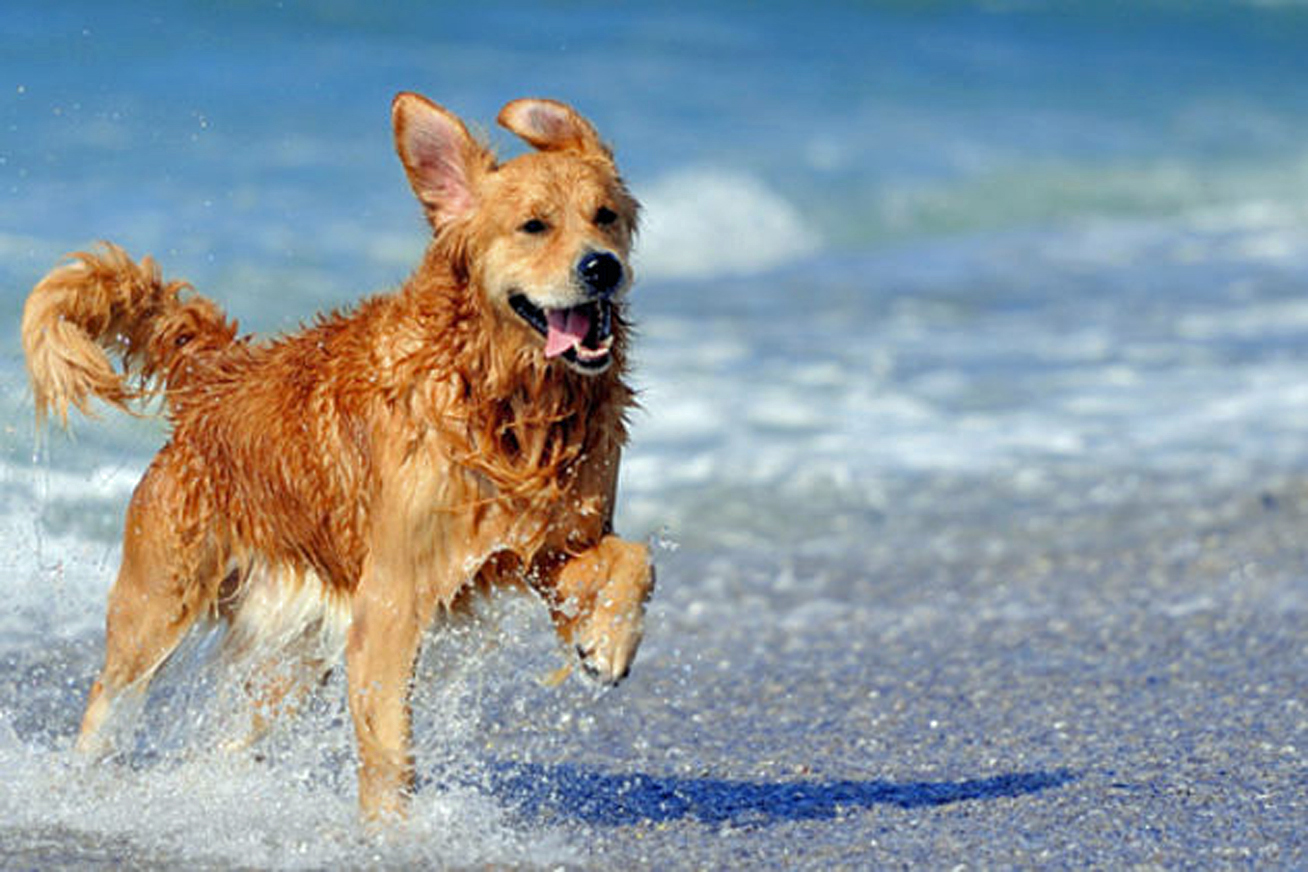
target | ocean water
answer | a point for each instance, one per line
(973, 357)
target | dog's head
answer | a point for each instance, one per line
(546, 237)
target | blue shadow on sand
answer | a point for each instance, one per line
(604, 798)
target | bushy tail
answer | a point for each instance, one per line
(98, 302)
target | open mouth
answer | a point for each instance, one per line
(581, 335)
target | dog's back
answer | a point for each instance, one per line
(258, 430)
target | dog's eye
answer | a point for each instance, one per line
(605, 216)
(535, 225)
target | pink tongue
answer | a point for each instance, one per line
(568, 329)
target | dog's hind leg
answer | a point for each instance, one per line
(276, 690)
(287, 631)
(281, 690)
(167, 579)
(280, 685)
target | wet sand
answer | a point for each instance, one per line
(1071, 682)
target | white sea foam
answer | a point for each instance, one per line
(705, 223)
(214, 806)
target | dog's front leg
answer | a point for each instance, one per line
(598, 604)
(383, 644)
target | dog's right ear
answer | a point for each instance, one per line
(441, 158)
(552, 126)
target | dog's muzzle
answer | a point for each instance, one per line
(581, 335)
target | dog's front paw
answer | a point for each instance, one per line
(607, 587)
(607, 643)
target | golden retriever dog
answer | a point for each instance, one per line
(374, 470)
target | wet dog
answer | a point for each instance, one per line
(376, 469)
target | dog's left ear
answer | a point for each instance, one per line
(552, 126)
(443, 161)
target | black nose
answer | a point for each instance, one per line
(601, 273)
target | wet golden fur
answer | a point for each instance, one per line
(387, 460)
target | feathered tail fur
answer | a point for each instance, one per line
(105, 301)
